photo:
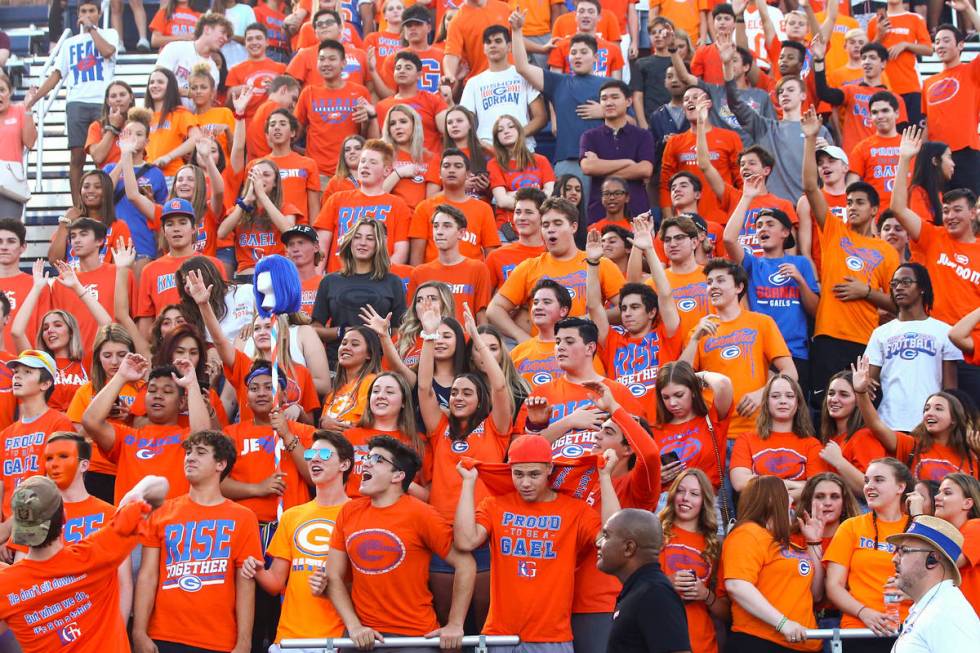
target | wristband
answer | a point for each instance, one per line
(869, 291)
(292, 445)
(818, 60)
(861, 392)
(532, 427)
(429, 336)
(779, 626)
(814, 543)
(248, 208)
(858, 615)
(239, 116)
(591, 262)
(112, 129)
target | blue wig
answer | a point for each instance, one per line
(285, 285)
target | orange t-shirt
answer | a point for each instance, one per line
(100, 283)
(634, 362)
(389, 551)
(971, 570)
(684, 15)
(868, 568)
(846, 253)
(747, 237)
(936, 462)
(151, 449)
(690, 292)
(692, 442)
(608, 57)
(464, 34)
(742, 349)
(428, 105)
(480, 232)
(201, 550)
(23, 449)
(338, 185)
(71, 376)
(534, 359)
(327, 115)
(349, 401)
(484, 443)
(299, 387)
(431, 70)
(861, 448)
(308, 297)
(783, 576)
(358, 436)
(16, 288)
(181, 23)
(783, 455)
(413, 188)
(679, 154)
(856, 124)
(167, 134)
(95, 134)
(255, 242)
(80, 402)
(607, 27)
(537, 22)
(303, 540)
(299, 176)
(533, 546)
(256, 142)
(685, 551)
(342, 210)
(503, 260)
(906, 27)
(953, 98)
(954, 269)
(875, 160)
(836, 50)
(257, 74)
(469, 281)
(82, 580)
(511, 179)
(158, 284)
(256, 446)
(219, 123)
(569, 273)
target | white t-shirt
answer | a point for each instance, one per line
(241, 16)
(490, 95)
(756, 39)
(85, 71)
(181, 57)
(940, 622)
(910, 355)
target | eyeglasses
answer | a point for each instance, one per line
(322, 454)
(676, 239)
(324, 23)
(905, 550)
(375, 458)
(903, 282)
(613, 193)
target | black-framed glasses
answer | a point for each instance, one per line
(613, 193)
(328, 22)
(375, 458)
(675, 239)
(322, 454)
(905, 550)
(902, 282)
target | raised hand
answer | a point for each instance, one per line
(430, 318)
(241, 102)
(194, 286)
(469, 323)
(642, 232)
(133, 368)
(188, 375)
(257, 184)
(127, 146)
(538, 409)
(587, 418)
(516, 19)
(818, 47)
(373, 320)
(602, 396)
(593, 245)
(754, 186)
(124, 256)
(911, 143)
(468, 472)
(810, 123)
(117, 118)
(861, 375)
(68, 277)
(39, 276)
(811, 526)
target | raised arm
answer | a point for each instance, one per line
(382, 326)
(737, 219)
(722, 389)
(142, 203)
(281, 221)
(593, 287)
(214, 175)
(124, 257)
(69, 279)
(666, 308)
(835, 96)
(201, 294)
(467, 534)
(908, 149)
(197, 409)
(810, 124)
(18, 327)
(703, 152)
(862, 386)
(961, 334)
(428, 404)
(502, 408)
(527, 70)
(95, 419)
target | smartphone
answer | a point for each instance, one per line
(668, 458)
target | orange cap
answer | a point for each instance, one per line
(529, 449)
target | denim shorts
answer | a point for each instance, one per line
(482, 556)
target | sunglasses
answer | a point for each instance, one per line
(322, 454)
(376, 458)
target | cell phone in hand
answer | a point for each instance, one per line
(668, 458)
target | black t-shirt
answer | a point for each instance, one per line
(648, 78)
(649, 616)
(339, 300)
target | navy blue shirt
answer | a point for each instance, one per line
(567, 92)
(778, 296)
(629, 142)
(649, 616)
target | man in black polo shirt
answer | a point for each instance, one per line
(649, 616)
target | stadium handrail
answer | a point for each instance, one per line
(836, 635)
(331, 645)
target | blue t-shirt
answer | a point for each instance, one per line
(778, 296)
(567, 92)
(144, 239)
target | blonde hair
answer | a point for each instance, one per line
(521, 155)
(707, 520)
(411, 325)
(75, 350)
(416, 146)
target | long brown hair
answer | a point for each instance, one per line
(764, 501)
(104, 118)
(828, 426)
(802, 424)
(107, 207)
(258, 217)
(680, 373)
(707, 520)
(957, 434)
(518, 152)
(106, 334)
(970, 487)
(406, 416)
(848, 509)
(211, 277)
(164, 355)
(380, 262)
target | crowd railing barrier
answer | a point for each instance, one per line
(331, 645)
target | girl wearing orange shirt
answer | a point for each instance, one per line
(690, 556)
(410, 173)
(408, 337)
(461, 134)
(494, 340)
(569, 187)
(514, 166)
(218, 122)
(478, 425)
(772, 583)
(937, 446)
(892, 232)
(958, 502)
(174, 21)
(933, 169)
(345, 178)
(783, 445)
(358, 362)
(58, 333)
(98, 203)
(173, 129)
(102, 143)
(849, 447)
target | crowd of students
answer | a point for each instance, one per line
(742, 293)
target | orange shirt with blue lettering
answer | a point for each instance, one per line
(692, 442)
(23, 449)
(342, 210)
(327, 114)
(255, 241)
(152, 449)
(634, 362)
(783, 455)
(608, 57)
(511, 179)
(158, 284)
(79, 404)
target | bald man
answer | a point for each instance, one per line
(649, 616)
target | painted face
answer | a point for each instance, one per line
(61, 462)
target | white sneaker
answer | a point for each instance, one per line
(143, 45)
(121, 49)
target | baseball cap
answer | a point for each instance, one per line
(39, 360)
(529, 449)
(304, 230)
(177, 206)
(416, 14)
(834, 152)
(784, 220)
(35, 501)
(940, 534)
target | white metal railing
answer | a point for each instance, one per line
(330, 645)
(836, 635)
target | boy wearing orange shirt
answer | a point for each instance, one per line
(32, 383)
(416, 26)
(385, 540)
(407, 69)
(464, 37)
(537, 538)
(534, 359)
(156, 446)
(740, 344)
(469, 279)
(15, 284)
(609, 59)
(192, 551)
(479, 238)
(707, 63)
(300, 179)
(301, 544)
(334, 111)
(526, 220)
(906, 36)
(256, 71)
(607, 25)
(563, 262)
(282, 93)
(875, 158)
(342, 210)
(692, 17)
(952, 97)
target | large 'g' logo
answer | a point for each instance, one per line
(375, 551)
(943, 90)
(313, 537)
(784, 463)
